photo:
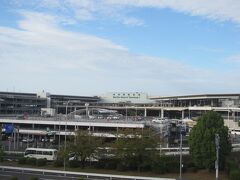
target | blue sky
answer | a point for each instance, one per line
(90, 47)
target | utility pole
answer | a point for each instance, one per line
(217, 139)
(180, 164)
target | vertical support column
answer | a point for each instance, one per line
(183, 114)
(117, 133)
(75, 134)
(189, 113)
(162, 113)
(54, 135)
(145, 112)
(233, 116)
(33, 129)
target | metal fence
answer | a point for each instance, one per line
(46, 172)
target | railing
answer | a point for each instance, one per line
(46, 172)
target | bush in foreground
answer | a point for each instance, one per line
(31, 161)
(234, 174)
(58, 163)
(41, 162)
(74, 164)
(34, 178)
(14, 178)
(22, 160)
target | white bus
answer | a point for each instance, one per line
(41, 153)
(235, 131)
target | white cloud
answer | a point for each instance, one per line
(219, 10)
(39, 55)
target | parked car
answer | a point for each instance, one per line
(28, 140)
(44, 140)
(159, 120)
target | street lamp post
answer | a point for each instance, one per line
(180, 164)
(65, 140)
(217, 140)
(228, 117)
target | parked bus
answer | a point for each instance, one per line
(41, 153)
(235, 131)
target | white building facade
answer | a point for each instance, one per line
(126, 97)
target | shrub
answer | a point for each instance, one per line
(191, 167)
(165, 164)
(159, 166)
(34, 178)
(110, 163)
(234, 174)
(230, 166)
(121, 167)
(31, 161)
(146, 166)
(1, 154)
(41, 162)
(22, 160)
(80, 178)
(14, 178)
(58, 163)
(74, 164)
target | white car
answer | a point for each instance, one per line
(159, 120)
(26, 140)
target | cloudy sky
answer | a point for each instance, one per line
(90, 47)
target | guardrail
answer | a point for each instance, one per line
(46, 172)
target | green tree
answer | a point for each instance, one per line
(202, 141)
(136, 150)
(84, 147)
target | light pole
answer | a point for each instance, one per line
(228, 117)
(217, 139)
(180, 164)
(65, 140)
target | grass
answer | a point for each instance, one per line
(199, 175)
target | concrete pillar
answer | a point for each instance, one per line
(54, 136)
(183, 114)
(212, 103)
(162, 113)
(117, 133)
(145, 112)
(33, 129)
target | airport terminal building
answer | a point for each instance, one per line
(14, 103)
(41, 115)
